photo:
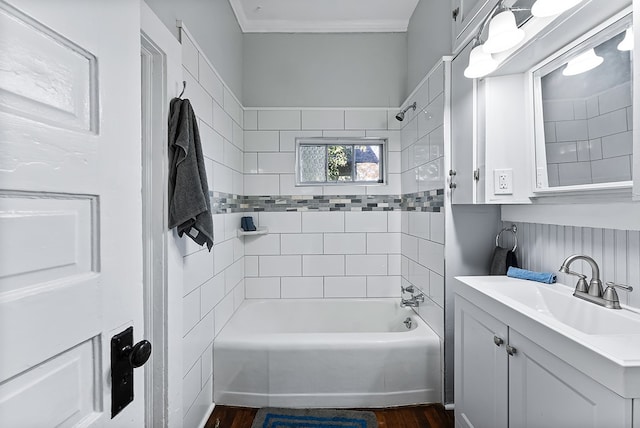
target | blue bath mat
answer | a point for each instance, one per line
(273, 417)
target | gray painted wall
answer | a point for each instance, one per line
(428, 38)
(213, 24)
(325, 70)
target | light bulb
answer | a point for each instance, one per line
(627, 43)
(481, 63)
(582, 63)
(503, 33)
(544, 8)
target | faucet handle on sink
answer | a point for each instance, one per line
(582, 281)
(620, 286)
(611, 297)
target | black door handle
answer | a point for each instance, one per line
(125, 356)
(138, 354)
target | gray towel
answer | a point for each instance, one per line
(501, 260)
(189, 205)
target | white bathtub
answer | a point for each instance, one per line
(326, 353)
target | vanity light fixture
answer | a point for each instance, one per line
(481, 63)
(582, 63)
(627, 43)
(503, 33)
(544, 8)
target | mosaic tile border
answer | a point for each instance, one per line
(429, 201)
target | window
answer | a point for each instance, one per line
(336, 161)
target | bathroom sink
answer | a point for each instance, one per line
(557, 301)
(600, 342)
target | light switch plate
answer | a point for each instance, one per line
(503, 181)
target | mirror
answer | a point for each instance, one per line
(583, 112)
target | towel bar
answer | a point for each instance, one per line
(513, 229)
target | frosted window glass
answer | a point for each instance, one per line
(313, 163)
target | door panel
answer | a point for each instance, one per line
(62, 388)
(480, 368)
(545, 391)
(70, 209)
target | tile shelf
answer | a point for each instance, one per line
(258, 231)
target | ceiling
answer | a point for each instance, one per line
(323, 16)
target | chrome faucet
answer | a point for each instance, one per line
(595, 285)
(413, 302)
(593, 292)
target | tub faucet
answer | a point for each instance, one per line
(413, 302)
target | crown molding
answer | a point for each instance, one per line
(289, 26)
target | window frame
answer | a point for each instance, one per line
(346, 141)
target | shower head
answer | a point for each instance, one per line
(400, 116)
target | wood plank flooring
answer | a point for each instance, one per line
(428, 416)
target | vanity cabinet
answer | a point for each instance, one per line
(481, 382)
(503, 379)
(546, 391)
(467, 16)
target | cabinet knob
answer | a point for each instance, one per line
(498, 340)
(452, 172)
(452, 185)
(511, 350)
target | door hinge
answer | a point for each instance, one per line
(476, 174)
(455, 13)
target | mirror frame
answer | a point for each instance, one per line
(600, 34)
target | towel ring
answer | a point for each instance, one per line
(513, 229)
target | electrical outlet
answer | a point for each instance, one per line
(503, 181)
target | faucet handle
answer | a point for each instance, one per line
(408, 289)
(582, 285)
(570, 272)
(620, 286)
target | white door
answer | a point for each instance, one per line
(70, 208)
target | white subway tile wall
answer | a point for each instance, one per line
(213, 281)
(325, 246)
(543, 247)
(329, 254)
(422, 168)
(589, 140)
(269, 148)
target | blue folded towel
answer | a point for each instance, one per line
(546, 277)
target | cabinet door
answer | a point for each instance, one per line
(544, 391)
(467, 16)
(636, 103)
(480, 368)
(463, 102)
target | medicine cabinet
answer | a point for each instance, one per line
(583, 112)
